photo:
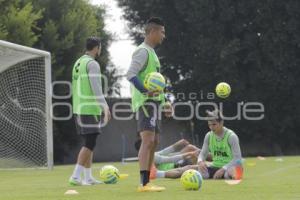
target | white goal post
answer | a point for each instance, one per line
(26, 138)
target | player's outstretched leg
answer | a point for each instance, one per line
(173, 173)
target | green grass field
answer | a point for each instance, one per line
(263, 179)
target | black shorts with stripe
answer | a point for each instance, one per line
(148, 118)
(88, 124)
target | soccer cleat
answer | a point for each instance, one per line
(91, 181)
(153, 172)
(150, 188)
(75, 181)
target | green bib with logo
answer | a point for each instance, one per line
(84, 100)
(220, 149)
(153, 65)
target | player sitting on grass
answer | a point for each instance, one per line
(223, 144)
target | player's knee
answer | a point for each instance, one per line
(191, 147)
(183, 142)
(148, 144)
(90, 142)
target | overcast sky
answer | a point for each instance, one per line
(122, 48)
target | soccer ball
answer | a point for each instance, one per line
(223, 90)
(191, 180)
(109, 174)
(154, 81)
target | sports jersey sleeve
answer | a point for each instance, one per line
(233, 141)
(138, 63)
(95, 80)
(204, 151)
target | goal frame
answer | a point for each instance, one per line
(36, 53)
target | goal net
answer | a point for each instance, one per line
(25, 103)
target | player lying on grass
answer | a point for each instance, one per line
(178, 154)
(223, 144)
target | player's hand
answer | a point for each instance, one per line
(202, 167)
(168, 109)
(196, 153)
(107, 115)
(192, 154)
(219, 174)
(153, 93)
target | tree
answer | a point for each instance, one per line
(64, 28)
(60, 27)
(18, 22)
(252, 45)
(65, 25)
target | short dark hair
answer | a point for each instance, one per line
(156, 20)
(92, 42)
(153, 22)
(214, 115)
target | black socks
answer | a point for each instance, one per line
(144, 174)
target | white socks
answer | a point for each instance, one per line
(160, 174)
(77, 171)
(87, 174)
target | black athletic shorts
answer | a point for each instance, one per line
(148, 117)
(212, 170)
(87, 124)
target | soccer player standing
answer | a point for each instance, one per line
(89, 106)
(146, 104)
